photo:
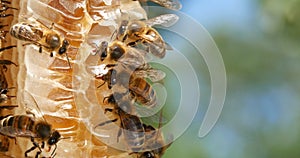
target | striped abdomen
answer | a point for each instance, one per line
(17, 126)
(143, 91)
(133, 131)
(155, 43)
(26, 32)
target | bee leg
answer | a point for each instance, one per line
(51, 54)
(110, 66)
(37, 154)
(68, 60)
(14, 138)
(7, 62)
(101, 85)
(107, 110)
(132, 44)
(125, 38)
(40, 49)
(120, 132)
(43, 145)
(35, 145)
(106, 122)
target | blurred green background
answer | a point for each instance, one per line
(259, 42)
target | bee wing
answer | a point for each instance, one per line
(170, 4)
(31, 106)
(33, 33)
(134, 58)
(150, 115)
(168, 46)
(165, 20)
(99, 69)
(154, 75)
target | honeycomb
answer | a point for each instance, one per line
(67, 97)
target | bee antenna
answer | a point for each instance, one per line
(68, 60)
(101, 85)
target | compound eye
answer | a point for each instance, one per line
(52, 141)
(147, 154)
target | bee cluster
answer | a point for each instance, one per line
(74, 57)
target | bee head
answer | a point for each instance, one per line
(116, 51)
(54, 138)
(63, 48)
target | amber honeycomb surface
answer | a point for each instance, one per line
(65, 96)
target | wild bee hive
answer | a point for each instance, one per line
(62, 90)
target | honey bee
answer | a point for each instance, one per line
(40, 35)
(29, 127)
(170, 4)
(131, 125)
(142, 35)
(140, 90)
(117, 52)
(26, 126)
(143, 92)
(154, 146)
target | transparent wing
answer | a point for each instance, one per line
(170, 4)
(154, 75)
(168, 46)
(165, 20)
(31, 106)
(134, 58)
(150, 115)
